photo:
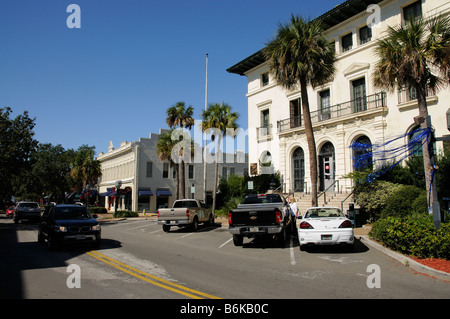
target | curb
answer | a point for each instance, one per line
(406, 261)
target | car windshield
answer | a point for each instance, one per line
(72, 213)
(29, 205)
(261, 199)
(323, 212)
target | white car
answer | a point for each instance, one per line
(325, 226)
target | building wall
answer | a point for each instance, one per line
(129, 163)
(379, 123)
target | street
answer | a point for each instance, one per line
(138, 260)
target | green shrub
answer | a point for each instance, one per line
(98, 210)
(420, 204)
(400, 202)
(413, 235)
(372, 197)
(126, 213)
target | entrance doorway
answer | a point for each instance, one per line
(326, 166)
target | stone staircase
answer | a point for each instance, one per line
(332, 199)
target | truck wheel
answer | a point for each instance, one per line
(52, 244)
(211, 220)
(166, 228)
(41, 239)
(282, 237)
(238, 240)
(195, 224)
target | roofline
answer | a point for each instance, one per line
(331, 18)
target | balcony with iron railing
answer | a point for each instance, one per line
(264, 132)
(363, 105)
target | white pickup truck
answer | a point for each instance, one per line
(185, 212)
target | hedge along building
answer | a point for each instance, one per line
(148, 183)
(343, 111)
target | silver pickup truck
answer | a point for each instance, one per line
(185, 212)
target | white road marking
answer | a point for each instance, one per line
(185, 235)
(225, 242)
(291, 251)
(140, 227)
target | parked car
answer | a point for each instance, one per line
(185, 213)
(10, 211)
(68, 224)
(30, 211)
(325, 226)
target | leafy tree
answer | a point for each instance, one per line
(300, 56)
(17, 145)
(51, 170)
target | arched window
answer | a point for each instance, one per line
(298, 169)
(362, 153)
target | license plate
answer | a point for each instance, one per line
(80, 237)
(326, 237)
(254, 229)
(173, 222)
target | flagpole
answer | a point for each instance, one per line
(204, 135)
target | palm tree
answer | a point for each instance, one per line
(85, 168)
(218, 116)
(180, 116)
(416, 56)
(164, 148)
(300, 55)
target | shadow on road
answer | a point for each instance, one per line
(17, 257)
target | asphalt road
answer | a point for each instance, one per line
(138, 260)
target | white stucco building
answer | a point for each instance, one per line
(345, 110)
(148, 183)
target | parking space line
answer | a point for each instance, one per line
(291, 252)
(140, 227)
(185, 235)
(226, 242)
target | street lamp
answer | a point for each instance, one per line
(118, 184)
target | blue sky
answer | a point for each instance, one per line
(114, 78)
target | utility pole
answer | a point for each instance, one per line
(204, 135)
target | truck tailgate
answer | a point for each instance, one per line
(254, 216)
(172, 214)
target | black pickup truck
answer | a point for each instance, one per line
(260, 215)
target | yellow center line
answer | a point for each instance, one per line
(146, 277)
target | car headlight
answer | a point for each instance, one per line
(96, 227)
(61, 229)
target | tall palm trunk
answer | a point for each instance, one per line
(311, 142)
(183, 180)
(177, 168)
(427, 148)
(216, 173)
